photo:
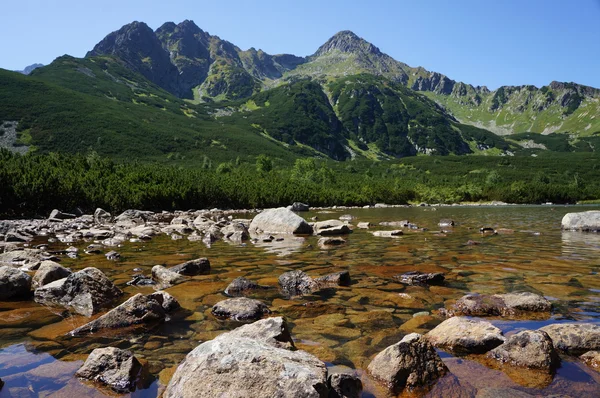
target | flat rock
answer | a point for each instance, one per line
(421, 278)
(574, 338)
(410, 363)
(48, 272)
(236, 365)
(388, 234)
(529, 349)
(465, 336)
(137, 310)
(510, 304)
(85, 292)
(279, 221)
(199, 266)
(240, 309)
(14, 283)
(112, 367)
(585, 221)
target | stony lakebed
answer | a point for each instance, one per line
(473, 301)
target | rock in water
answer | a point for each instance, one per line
(279, 221)
(529, 349)
(113, 367)
(165, 277)
(195, 267)
(240, 309)
(298, 206)
(574, 338)
(14, 283)
(139, 309)
(241, 285)
(465, 336)
(247, 362)
(48, 272)
(84, 292)
(508, 304)
(410, 363)
(420, 278)
(586, 221)
(297, 283)
(102, 216)
(592, 358)
(344, 385)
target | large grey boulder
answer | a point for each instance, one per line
(279, 221)
(574, 338)
(14, 283)
(465, 336)
(509, 304)
(85, 292)
(410, 363)
(199, 266)
(48, 272)
(112, 367)
(236, 364)
(139, 309)
(587, 221)
(529, 349)
(240, 309)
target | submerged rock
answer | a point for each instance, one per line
(14, 283)
(279, 221)
(592, 359)
(240, 309)
(341, 278)
(420, 278)
(139, 309)
(574, 338)
(48, 272)
(199, 266)
(328, 243)
(84, 292)
(529, 349)
(244, 363)
(510, 304)
(465, 336)
(410, 363)
(112, 367)
(239, 286)
(586, 221)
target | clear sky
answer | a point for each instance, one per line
(482, 42)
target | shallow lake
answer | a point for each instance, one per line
(346, 326)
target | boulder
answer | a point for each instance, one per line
(364, 225)
(328, 243)
(279, 221)
(331, 227)
(297, 206)
(273, 331)
(59, 215)
(465, 336)
(592, 359)
(410, 363)
(446, 222)
(341, 278)
(239, 286)
(199, 266)
(139, 309)
(165, 277)
(420, 278)
(14, 283)
(586, 221)
(235, 232)
(296, 283)
(235, 364)
(27, 258)
(102, 217)
(112, 367)
(48, 272)
(528, 349)
(85, 292)
(240, 309)
(344, 385)
(388, 234)
(574, 338)
(509, 304)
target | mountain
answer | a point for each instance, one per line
(30, 68)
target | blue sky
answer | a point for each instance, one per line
(482, 42)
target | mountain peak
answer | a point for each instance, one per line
(347, 41)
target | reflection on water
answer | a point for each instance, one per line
(346, 326)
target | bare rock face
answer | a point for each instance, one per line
(529, 349)
(240, 309)
(14, 283)
(112, 367)
(247, 362)
(85, 292)
(279, 221)
(509, 304)
(410, 363)
(138, 310)
(465, 336)
(586, 221)
(199, 266)
(574, 338)
(48, 272)
(592, 359)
